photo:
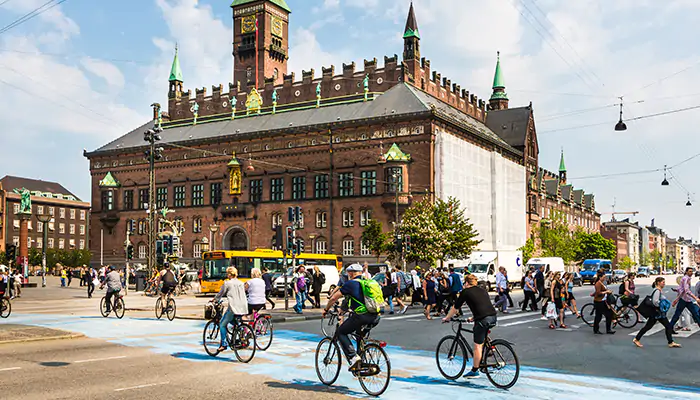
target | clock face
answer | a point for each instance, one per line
(248, 24)
(276, 27)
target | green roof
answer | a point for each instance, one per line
(411, 33)
(562, 166)
(279, 3)
(498, 81)
(175, 71)
(411, 29)
(234, 161)
(395, 154)
(109, 181)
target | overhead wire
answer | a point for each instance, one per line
(34, 13)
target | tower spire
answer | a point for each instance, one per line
(411, 25)
(175, 91)
(175, 71)
(411, 38)
(562, 168)
(499, 98)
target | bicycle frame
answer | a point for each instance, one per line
(487, 344)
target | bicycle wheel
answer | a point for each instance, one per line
(211, 339)
(376, 383)
(159, 308)
(5, 308)
(170, 309)
(627, 317)
(588, 314)
(451, 357)
(263, 333)
(328, 361)
(103, 307)
(119, 308)
(243, 343)
(502, 364)
(329, 324)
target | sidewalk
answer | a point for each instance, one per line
(12, 333)
(279, 314)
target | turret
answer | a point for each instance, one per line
(175, 79)
(499, 98)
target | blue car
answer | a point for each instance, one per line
(590, 268)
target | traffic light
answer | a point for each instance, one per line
(297, 214)
(290, 238)
(167, 245)
(159, 246)
(11, 252)
(300, 245)
(408, 243)
(174, 244)
(277, 240)
(398, 242)
(290, 214)
(130, 252)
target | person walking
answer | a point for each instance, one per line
(267, 278)
(662, 306)
(456, 287)
(91, 277)
(557, 295)
(399, 282)
(507, 291)
(601, 306)
(17, 284)
(317, 282)
(686, 299)
(570, 299)
(69, 276)
(539, 282)
(546, 297)
(63, 277)
(417, 296)
(428, 294)
(529, 291)
(299, 285)
(443, 293)
(501, 286)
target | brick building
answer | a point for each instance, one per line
(346, 147)
(71, 216)
(627, 238)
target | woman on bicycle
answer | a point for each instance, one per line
(233, 291)
(662, 305)
(484, 316)
(255, 287)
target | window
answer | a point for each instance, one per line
(39, 242)
(71, 243)
(40, 210)
(256, 190)
(179, 196)
(15, 224)
(298, 187)
(130, 226)
(16, 208)
(197, 225)
(348, 218)
(394, 179)
(51, 211)
(364, 250)
(142, 250)
(179, 224)
(50, 245)
(348, 247)
(61, 228)
(51, 226)
(215, 195)
(368, 183)
(29, 243)
(365, 216)
(61, 243)
(29, 225)
(82, 212)
(71, 229)
(321, 246)
(161, 197)
(346, 185)
(197, 250)
(276, 220)
(142, 227)
(62, 211)
(72, 214)
(107, 203)
(82, 244)
(320, 219)
(143, 199)
(277, 189)
(15, 240)
(40, 227)
(321, 186)
(128, 202)
(198, 195)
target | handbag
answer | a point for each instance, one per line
(551, 311)
(647, 308)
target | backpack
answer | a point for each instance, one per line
(301, 283)
(322, 278)
(621, 291)
(373, 297)
(403, 281)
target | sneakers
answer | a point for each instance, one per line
(354, 364)
(472, 374)
(674, 345)
(403, 310)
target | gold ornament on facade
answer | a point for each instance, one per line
(254, 102)
(235, 178)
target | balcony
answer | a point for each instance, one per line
(245, 48)
(276, 50)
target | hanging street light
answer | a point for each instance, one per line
(620, 126)
(688, 203)
(665, 181)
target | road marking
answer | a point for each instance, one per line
(519, 322)
(141, 386)
(655, 329)
(684, 334)
(98, 359)
(402, 317)
(10, 369)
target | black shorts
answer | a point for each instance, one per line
(570, 296)
(481, 328)
(558, 304)
(255, 307)
(167, 289)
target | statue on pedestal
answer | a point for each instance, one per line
(25, 205)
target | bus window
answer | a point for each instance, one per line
(243, 265)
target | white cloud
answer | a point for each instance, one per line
(107, 71)
(54, 16)
(331, 4)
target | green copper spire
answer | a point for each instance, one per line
(499, 85)
(175, 71)
(279, 3)
(411, 25)
(562, 166)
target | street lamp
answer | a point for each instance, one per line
(212, 231)
(620, 126)
(44, 219)
(665, 181)
(205, 244)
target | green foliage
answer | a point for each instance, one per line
(67, 258)
(671, 264)
(374, 239)
(555, 238)
(656, 258)
(644, 258)
(528, 250)
(34, 256)
(459, 232)
(3, 258)
(593, 245)
(626, 263)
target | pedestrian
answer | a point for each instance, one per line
(365, 271)
(308, 275)
(17, 284)
(299, 286)
(428, 294)
(686, 299)
(69, 275)
(570, 299)
(63, 277)
(601, 305)
(91, 277)
(399, 283)
(558, 294)
(529, 290)
(662, 306)
(456, 287)
(4, 281)
(417, 296)
(388, 288)
(546, 296)
(501, 286)
(318, 280)
(507, 291)
(267, 278)
(442, 286)
(539, 282)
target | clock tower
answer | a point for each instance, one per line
(260, 41)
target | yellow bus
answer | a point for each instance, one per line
(216, 262)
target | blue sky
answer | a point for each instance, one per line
(85, 72)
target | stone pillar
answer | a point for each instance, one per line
(23, 235)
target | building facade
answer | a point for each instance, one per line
(346, 147)
(69, 227)
(627, 237)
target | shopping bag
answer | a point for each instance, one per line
(551, 311)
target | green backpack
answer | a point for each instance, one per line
(373, 297)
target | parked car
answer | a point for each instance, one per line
(653, 272)
(643, 272)
(618, 275)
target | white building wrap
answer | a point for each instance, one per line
(490, 187)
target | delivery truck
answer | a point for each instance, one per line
(485, 264)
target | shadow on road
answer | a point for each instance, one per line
(312, 386)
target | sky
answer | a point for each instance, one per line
(85, 72)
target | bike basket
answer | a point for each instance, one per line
(210, 311)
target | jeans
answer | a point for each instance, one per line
(223, 324)
(502, 301)
(602, 309)
(651, 322)
(390, 301)
(300, 298)
(90, 288)
(353, 324)
(682, 305)
(507, 294)
(109, 300)
(63, 282)
(529, 298)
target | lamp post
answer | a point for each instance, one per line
(212, 232)
(205, 244)
(44, 219)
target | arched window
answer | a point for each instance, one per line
(321, 245)
(348, 246)
(197, 225)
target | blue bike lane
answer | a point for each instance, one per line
(291, 359)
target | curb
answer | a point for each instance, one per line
(39, 339)
(277, 320)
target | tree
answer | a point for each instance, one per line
(593, 245)
(374, 239)
(34, 256)
(671, 264)
(3, 258)
(644, 258)
(626, 263)
(426, 241)
(656, 258)
(528, 250)
(555, 238)
(452, 224)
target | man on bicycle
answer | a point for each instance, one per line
(352, 290)
(114, 286)
(484, 317)
(166, 276)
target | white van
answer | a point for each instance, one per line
(330, 272)
(554, 264)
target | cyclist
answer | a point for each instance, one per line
(484, 317)
(352, 289)
(166, 276)
(114, 286)
(233, 294)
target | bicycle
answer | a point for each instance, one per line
(330, 322)
(168, 310)
(118, 306)
(626, 316)
(152, 289)
(240, 339)
(5, 307)
(374, 360)
(262, 326)
(493, 358)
